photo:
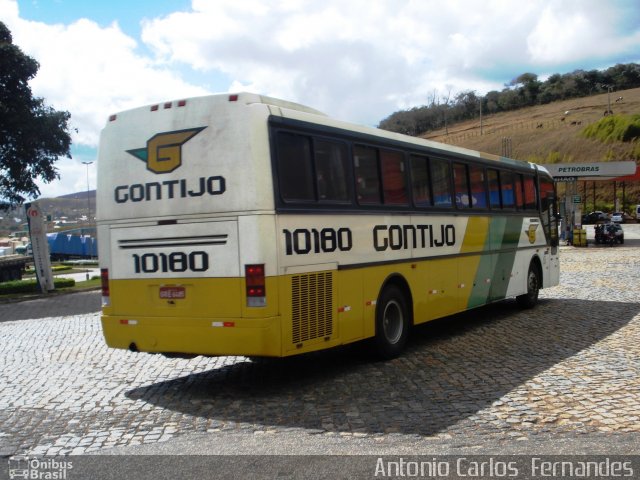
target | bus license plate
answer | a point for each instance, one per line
(173, 292)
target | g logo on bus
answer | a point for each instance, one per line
(163, 153)
(532, 233)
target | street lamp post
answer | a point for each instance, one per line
(88, 198)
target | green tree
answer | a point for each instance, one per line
(529, 88)
(32, 135)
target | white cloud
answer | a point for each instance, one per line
(91, 72)
(362, 60)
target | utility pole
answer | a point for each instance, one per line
(88, 198)
(480, 116)
(609, 90)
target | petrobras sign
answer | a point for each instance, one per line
(600, 170)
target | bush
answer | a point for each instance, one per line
(614, 128)
(31, 286)
(61, 268)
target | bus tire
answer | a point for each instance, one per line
(392, 323)
(534, 280)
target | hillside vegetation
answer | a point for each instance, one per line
(569, 131)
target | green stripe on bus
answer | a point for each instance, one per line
(494, 270)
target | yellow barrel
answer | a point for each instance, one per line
(579, 237)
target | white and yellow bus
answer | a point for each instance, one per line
(246, 225)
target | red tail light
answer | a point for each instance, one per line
(256, 285)
(104, 278)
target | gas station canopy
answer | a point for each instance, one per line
(571, 172)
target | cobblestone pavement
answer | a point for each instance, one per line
(570, 366)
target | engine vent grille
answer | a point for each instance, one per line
(312, 306)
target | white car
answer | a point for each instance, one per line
(617, 217)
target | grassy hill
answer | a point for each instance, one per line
(72, 207)
(553, 133)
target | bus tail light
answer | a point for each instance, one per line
(256, 285)
(104, 278)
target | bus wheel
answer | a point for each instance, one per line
(529, 299)
(392, 323)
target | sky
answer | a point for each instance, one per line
(356, 60)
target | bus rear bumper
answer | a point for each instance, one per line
(175, 335)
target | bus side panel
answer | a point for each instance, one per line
(472, 269)
(356, 312)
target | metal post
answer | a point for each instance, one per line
(88, 198)
(480, 116)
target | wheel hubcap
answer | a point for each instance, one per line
(392, 322)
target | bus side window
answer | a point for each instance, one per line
(519, 192)
(530, 199)
(393, 178)
(478, 188)
(461, 182)
(494, 188)
(506, 184)
(365, 160)
(420, 181)
(548, 210)
(332, 171)
(295, 172)
(441, 182)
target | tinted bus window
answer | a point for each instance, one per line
(365, 160)
(461, 182)
(478, 188)
(494, 188)
(295, 172)
(506, 184)
(530, 200)
(519, 191)
(547, 196)
(420, 181)
(548, 213)
(393, 178)
(441, 182)
(332, 171)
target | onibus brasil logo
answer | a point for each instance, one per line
(23, 467)
(163, 153)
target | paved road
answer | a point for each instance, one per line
(55, 305)
(562, 378)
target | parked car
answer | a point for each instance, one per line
(594, 217)
(617, 217)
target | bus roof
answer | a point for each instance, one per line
(244, 98)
